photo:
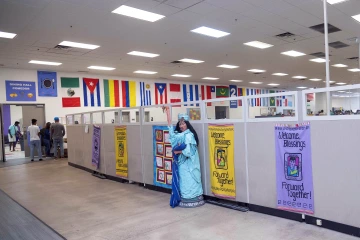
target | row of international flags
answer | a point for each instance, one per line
(121, 93)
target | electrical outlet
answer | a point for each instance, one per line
(318, 222)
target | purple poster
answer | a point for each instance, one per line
(294, 169)
(95, 160)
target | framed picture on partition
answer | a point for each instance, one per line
(194, 113)
(159, 162)
(160, 149)
(168, 164)
(169, 178)
(160, 176)
(166, 137)
(159, 136)
(168, 151)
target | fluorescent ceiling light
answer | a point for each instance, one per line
(293, 53)
(138, 13)
(143, 54)
(299, 77)
(78, 45)
(301, 87)
(181, 75)
(341, 83)
(318, 60)
(145, 72)
(339, 65)
(256, 70)
(280, 74)
(273, 84)
(45, 63)
(256, 82)
(7, 35)
(356, 17)
(227, 66)
(210, 78)
(210, 32)
(315, 79)
(341, 91)
(258, 44)
(335, 1)
(354, 70)
(188, 60)
(330, 82)
(236, 80)
(101, 68)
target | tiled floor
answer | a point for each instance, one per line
(80, 206)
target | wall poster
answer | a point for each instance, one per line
(96, 144)
(20, 91)
(121, 151)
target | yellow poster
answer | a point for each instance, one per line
(221, 154)
(121, 152)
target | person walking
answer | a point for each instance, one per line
(13, 130)
(57, 133)
(45, 138)
(34, 132)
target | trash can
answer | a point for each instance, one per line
(21, 141)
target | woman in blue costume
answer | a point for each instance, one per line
(187, 189)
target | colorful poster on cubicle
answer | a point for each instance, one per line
(162, 157)
(294, 168)
(221, 156)
(121, 151)
(96, 144)
(20, 91)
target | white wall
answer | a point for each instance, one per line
(348, 103)
(16, 114)
(320, 102)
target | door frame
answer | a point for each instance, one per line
(2, 145)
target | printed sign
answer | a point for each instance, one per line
(233, 93)
(294, 168)
(121, 151)
(221, 154)
(96, 144)
(20, 91)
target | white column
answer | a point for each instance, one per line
(326, 34)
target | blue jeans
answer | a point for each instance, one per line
(35, 144)
(60, 143)
(47, 147)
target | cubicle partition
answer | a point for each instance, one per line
(334, 144)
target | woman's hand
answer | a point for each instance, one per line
(178, 152)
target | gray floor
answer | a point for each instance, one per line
(82, 207)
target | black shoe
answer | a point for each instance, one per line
(32, 160)
(40, 159)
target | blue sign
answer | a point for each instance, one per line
(233, 93)
(20, 91)
(47, 84)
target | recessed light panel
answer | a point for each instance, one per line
(301, 87)
(145, 72)
(315, 79)
(234, 80)
(45, 63)
(354, 70)
(356, 17)
(341, 83)
(335, 1)
(299, 77)
(181, 75)
(293, 53)
(188, 60)
(339, 65)
(280, 74)
(318, 60)
(256, 70)
(228, 66)
(273, 84)
(7, 35)
(101, 68)
(138, 13)
(256, 82)
(143, 54)
(210, 78)
(210, 32)
(258, 44)
(330, 82)
(78, 45)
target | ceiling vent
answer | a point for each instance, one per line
(354, 58)
(320, 28)
(338, 44)
(176, 62)
(62, 47)
(318, 54)
(289, 37)
(285, 35)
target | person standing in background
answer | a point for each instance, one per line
(57, 133)
(45, 138)
(34, 132)
(12, 132)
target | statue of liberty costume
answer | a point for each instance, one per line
(186, 182)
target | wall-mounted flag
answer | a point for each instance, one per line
(160, 93)
(191, 93)
(128, 90)
(210, 93)
(111, 93)
(47, 84)
(175, 92)
(70, 92)
(91, 89)
(222, 91)
(145, 94)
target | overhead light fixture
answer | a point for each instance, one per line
(330, 82)
(341, 83)
(7, 35)
(318, 60)
(354, 70)
(143, 54)
(101, 68)
(339, 65)
(301, 87)
(280, 74)
(210, 78)
(335, 1)
(356, 17)
(256, 82)
(210, 32)
(145, 72)
(299, 77)
(235, 80)
(188, 60)
(258, 44)
(45, 63)
(78, 45)
(349, 92)
(181, 75)
(341, 91)
(315, 79)
(138, 13)
(256, 70)
(273, 84)
(293, 53)
(228, 66)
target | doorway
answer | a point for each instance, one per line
(221, 112)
